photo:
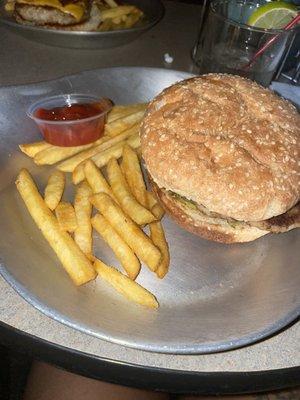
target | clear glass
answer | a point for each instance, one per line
(226, 44)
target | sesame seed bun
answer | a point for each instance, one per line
(227, 144)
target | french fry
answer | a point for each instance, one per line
(105, 25)
(124, 285)
(158, 238)
(111, 3)
(96, 180)
(83, 211)
(116, 12)
(120, 188)
(54, 189)
(123, 111)
(31, 149)
(66, 217)
(132, 19)
(129, 231)
(135, 179)
(122, 124)
(107, 142)
(154, 206)
(123, 252)
(54, 154)
(72, 258)
(134, 176)
(103, 157)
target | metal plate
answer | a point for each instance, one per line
(215, 297)
(153, 10)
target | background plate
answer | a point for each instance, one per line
(215, 297)
(153, 10)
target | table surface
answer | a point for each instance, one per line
(23, 61)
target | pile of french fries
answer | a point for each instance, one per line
(115, 17)
(120, 197)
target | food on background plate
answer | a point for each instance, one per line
(129, 247)
(75, 15)
(223, 157)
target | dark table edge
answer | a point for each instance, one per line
(173, 381)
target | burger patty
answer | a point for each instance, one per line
(91, 24)
(279, 224)
(38, 15)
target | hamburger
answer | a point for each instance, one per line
(222, 155)
(73, 15)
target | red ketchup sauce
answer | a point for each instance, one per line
(77, 126)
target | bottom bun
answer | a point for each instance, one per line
(195, 221)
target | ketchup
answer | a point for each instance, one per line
(68, 113)
(75, 123)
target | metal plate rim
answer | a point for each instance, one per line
(188, 350)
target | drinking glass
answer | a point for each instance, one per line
(227, 44)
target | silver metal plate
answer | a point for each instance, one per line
(215, 297)
(153, 10)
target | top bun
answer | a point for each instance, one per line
(226, 143)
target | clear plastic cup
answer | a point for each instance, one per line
(74, 132)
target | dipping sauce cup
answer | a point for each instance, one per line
(70, 119)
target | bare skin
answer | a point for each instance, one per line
(46, 382)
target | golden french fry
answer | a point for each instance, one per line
(129, 231)
(121, 124)
(54, 154)
(158, 238)
(134, 176)
(66, 216)
(151, 199)
(72, 258)
(83, 211)
(121, 249)
(124, 285)
(111, 3)
(121, 190)
(116, 12)
(103, 157)
(31, 149)
(117, 20)
(54, 189)
(106, 25)
(96, 180)
(132, 19)
(154, 206)
(107, 142)
(123, 111)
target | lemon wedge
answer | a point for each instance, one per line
(273, 15)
